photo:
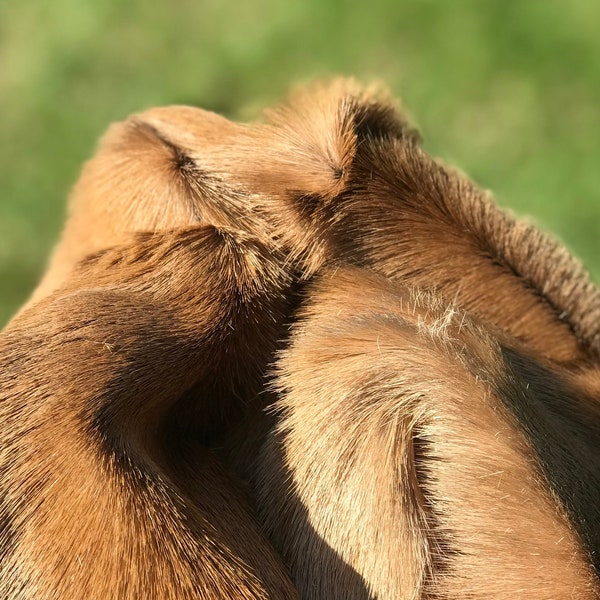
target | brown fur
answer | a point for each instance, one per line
(107, 494)
(403, 412)
(432, 422)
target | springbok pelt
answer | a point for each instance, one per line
(298, 359)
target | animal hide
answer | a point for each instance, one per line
(298, 359)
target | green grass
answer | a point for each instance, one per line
(509, 92)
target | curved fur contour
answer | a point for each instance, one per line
(435, 412)
(399, 447)
(336, 175)
(105, 495)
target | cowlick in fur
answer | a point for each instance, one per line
(298, 359)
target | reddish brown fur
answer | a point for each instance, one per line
(413, 432)
(149, 511)
(434, 420)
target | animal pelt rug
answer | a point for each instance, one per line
(298, 359)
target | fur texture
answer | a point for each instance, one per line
(298, 359)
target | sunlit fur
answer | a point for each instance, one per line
(298, 359)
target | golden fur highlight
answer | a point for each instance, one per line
(298, 359)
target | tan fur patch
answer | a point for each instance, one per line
(298, 359)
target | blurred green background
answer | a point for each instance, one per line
(507, 91)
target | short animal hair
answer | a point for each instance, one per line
(298, 359)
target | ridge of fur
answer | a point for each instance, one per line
(298, 358)
(425, 485)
